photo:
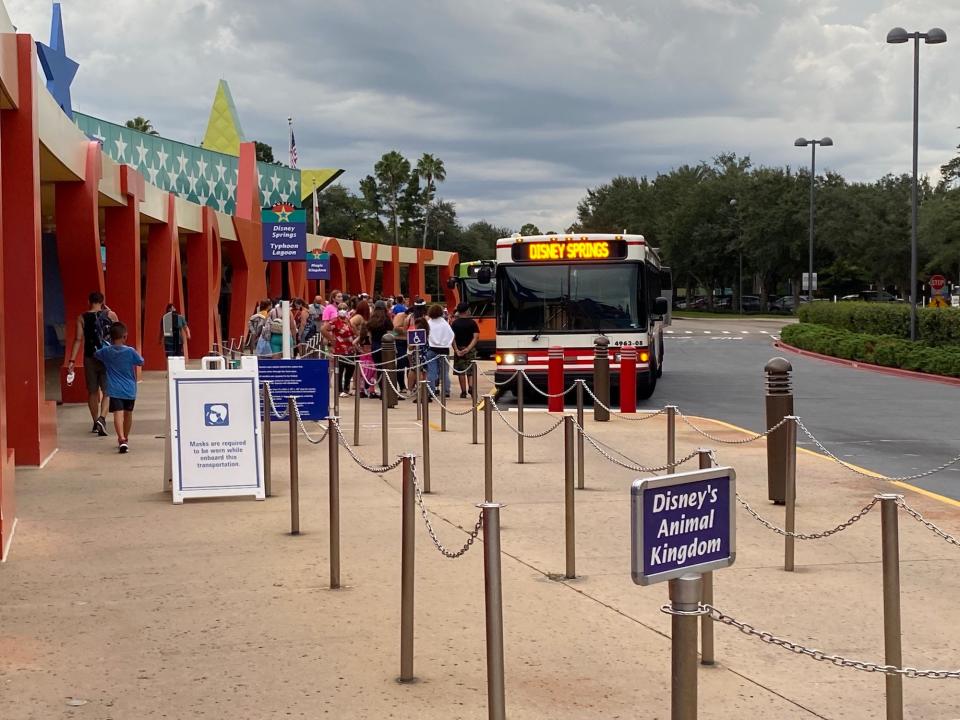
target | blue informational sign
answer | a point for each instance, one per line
(284, 232)
(318, 265)
(683, 523)
(306, 380)
(416, 337)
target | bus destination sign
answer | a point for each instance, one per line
(570, 251)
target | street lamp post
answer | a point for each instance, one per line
(803, 142)
(733, 204)
(934, 36)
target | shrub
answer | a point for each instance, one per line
(875, 349)
(935, 326)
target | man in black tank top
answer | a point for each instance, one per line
(91, 326)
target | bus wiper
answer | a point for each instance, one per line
(560, 308)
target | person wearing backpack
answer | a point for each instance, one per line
(174, 332)
(273, 332)
(253, 342)
(93, 333)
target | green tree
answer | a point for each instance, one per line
(432, 171)
(529, 229)
(264, 152)
(141, 124)
(392, 174)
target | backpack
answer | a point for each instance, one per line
(310, 331)
(254, 330)
(276, 326)
(101, 328)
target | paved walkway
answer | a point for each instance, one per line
(126, 606)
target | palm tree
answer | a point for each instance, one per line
(392, 173)
(141, 124)
(431, 169)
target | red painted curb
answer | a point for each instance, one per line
(856, 364)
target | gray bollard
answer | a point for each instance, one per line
(384, 422)
(671, 438)
(778, 403)
(601, 378)
(685, 593)
(442, 402)
(388, 363)
(568, 507)
(493, 594)
(790, 492)
(488, 448)
(425, 432)
(336, 385)
(407, 555)
(415, 388)
(333, 446)
(474, 398)
(706, 622)
(580, 422)
(893, 653)
(294, 467)
(267, 442)
(521, 382)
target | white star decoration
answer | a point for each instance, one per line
(142, 151)
(172, 178)
(183, 160)
(292, 183)
(99, 136)
(231, 189)
(121, 147)
(152, 172)
(221, 169)
(192, 180)
(203, 168)
(162, 154)
(222, 203)
(276, 182)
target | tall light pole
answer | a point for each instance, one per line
(934, 36)
(803, 142)
(733, 204)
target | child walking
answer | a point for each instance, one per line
(121, 361)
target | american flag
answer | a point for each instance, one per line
(293, 145)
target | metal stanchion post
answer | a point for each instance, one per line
(294, 468)
(416, 380)
(520, 383)
(333, 445)
(706, 622)
(388, 357)
(672, 438)
(778, 401)
(442, 360)
(474, 398)
(336, 386)
(580, 458)
(488, 448)
(425, 427)
(790, 467)
(493, 593)
(569, 519)
(406, 571)
(357, 383)
(601, 378)
(685, 594)
(267, 483)
(893, 654)
(384, 424)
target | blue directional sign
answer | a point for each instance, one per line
(306, 380)
(416, 337)
(682, 523)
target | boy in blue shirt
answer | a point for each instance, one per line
(121, 361)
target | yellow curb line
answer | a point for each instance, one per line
(928, 493)
(435, 426)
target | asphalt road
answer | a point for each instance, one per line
(895, 426)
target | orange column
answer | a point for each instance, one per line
(249, 282)
(361, 273)
(8, 506)
(338, 265)
(34, 434)
(164, 284)
(415, 274)
(391, 272)
(446, 272)
(78, 248)
(203, 282)
(122, 237)
(297, 280)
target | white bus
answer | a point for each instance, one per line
(567, 290)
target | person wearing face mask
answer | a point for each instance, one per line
(343, 340)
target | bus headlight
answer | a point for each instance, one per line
(514, 359)
(644, 357)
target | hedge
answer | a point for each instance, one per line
(876, 349)
(935, 326)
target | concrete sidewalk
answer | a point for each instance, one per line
(117, 599)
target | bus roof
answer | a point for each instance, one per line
(569, 237)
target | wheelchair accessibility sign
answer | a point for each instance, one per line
(216, 414)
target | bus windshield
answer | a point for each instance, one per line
(479, 296)
(570, 298)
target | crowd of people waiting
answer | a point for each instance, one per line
(352, 328)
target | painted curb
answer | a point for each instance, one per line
(856, 364)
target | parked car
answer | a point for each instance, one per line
(872, 296)
(785, 304)
(750, 303)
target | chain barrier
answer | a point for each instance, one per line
(794, 647)
(874, 476)
(636, 417)
(862, 513)
(471, 537)
(487, 373)
(754, 436)
(450, 410)
(402, 394)
(636, 466)
(545, 394)
(531, 436)
(915, 514)
(375, 469)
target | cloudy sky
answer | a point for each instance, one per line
(528, 102)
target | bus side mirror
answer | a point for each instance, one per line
(660, 306)
(484, 276)
(451, 283)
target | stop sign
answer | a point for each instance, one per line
(937, 282)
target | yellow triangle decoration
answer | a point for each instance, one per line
(316, 178)
(224, 133)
